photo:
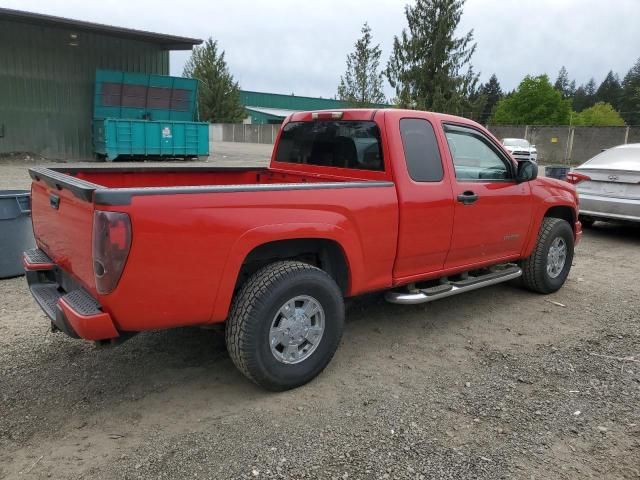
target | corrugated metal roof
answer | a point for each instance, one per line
(274, 112)
(168, 42)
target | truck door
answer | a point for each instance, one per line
(492, 211)
(425, 197)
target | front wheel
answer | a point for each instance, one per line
(546, 270)
(285, 325)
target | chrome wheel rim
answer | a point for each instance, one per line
(556, 257)
(297, 329)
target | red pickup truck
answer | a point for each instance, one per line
(421, 205)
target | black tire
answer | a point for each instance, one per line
(535, 276)
(256, 305)
(587, 222)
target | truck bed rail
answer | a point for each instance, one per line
(62, 178)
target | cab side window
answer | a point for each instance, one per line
(474, 157)
(421, 150)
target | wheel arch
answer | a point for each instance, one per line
(326, 254)
(563, 212)
(335, 250)
(553, 207)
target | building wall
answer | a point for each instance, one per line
(259, 118)
(46, 85)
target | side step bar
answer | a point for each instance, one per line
(454, 287)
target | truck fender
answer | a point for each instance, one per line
(540, 212)
(248, 241)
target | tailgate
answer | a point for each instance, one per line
(63, 224)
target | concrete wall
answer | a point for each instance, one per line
(568, 145)
(556, 145)
(247, 133)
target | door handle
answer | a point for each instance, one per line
(467, 197)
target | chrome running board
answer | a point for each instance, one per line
(454, 287)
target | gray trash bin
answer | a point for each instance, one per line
(558, 172)
(16, 234)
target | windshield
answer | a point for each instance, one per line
(342, 144)
(515, 142)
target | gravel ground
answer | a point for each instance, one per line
(497, 383)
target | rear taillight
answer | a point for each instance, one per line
(575, 178)
(111, 245)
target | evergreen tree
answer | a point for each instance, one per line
(361, 84)
(535, 102)
(585, 96)
(579, 99)
(563, 85)
(590, 88)
(429, 67)
(630, 101)
(218, 92)
(610, 90)
(493, 94)
(473, 100)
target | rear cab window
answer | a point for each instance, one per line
(339, 144)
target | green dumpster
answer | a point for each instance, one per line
(142, 115)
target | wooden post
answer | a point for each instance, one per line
(569, 150)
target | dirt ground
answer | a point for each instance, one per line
(495, 383)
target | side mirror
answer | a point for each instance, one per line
(527, 171)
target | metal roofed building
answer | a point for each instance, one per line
(47, 74)
(265, 108)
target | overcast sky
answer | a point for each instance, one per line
(298, 46)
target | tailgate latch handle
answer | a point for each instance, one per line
(54, 201)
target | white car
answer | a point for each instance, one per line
(520, 149)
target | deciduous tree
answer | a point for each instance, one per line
(601, 114)
(535, 102)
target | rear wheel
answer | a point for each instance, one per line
(285, 325)
(546, 270)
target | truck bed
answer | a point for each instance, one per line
(113, 186)
(193, 227)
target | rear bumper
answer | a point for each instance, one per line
(610, 207)
(71, 308)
